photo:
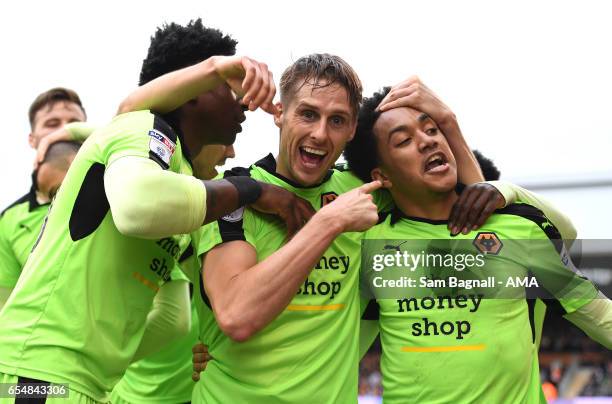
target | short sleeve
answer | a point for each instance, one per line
(240, 225)
(140, 134)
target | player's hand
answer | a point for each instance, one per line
(293, 210)
(354, 210)
(200, 360)
(249, 79)
(58, 135)
(475, 205)
(414, 94)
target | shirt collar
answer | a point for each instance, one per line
(268, 163)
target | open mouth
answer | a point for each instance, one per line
(436, 163)
(312, 157)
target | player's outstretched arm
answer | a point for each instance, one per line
(75, 131)
(168, 320)
(414, 94)
(595, 319)
(247, 295)
(148, 202)
(513, 193)
(247, 77)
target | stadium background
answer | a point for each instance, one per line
(529, 82)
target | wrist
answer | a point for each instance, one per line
(447, 119)
(329, 222)
(248, 189)
(215, 64)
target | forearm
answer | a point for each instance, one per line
(253, 298)
(595, 319)
(468, 170)
(168, 92)
(513, 193)
(79, 131)
(221, 198)
(168, 320)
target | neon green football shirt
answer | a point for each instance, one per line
(19, 227)
(78, 311)
(466, 342)
(309, 353)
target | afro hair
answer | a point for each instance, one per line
(488, 168)
(361, 153)
(175, 46)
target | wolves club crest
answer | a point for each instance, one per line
(488, 243)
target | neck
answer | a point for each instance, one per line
(42, 198)
(282, 168)
(192, 143)
(428, 205)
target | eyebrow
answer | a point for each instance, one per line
(423, 117)
(400, 128)
(404, 128)
(304, 104)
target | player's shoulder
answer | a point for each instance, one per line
(344, 177)
(145, 122)
(17, 205)
(529, 217)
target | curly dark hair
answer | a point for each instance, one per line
(361, 153)
(489, 170)
(175, 46)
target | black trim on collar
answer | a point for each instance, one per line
(25, 198)
(397, 214)
(268, 163)
(33, 202)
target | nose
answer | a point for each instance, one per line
(426, 142)
(229, 152)
(319, 132)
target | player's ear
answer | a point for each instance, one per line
(378, 175)
(278, 114)
(31, 141)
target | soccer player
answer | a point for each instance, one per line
(455, 344)
(20, 223)
(302, 310)
(93, 293)
(165, 376)
(50, 110)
